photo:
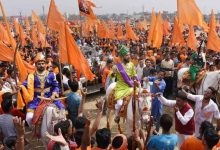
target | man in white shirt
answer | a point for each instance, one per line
(139, 69)
(184, 121)
(205, 108)
(168, 65)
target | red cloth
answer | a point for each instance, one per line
(187, 129)
(15, 112)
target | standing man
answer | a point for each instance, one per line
(42, 83)
(139, 69)
(125, 72)
(184, 116)
(168, 65)
(205, 108)
(159, 85)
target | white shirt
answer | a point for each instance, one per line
(139, 70)
(183, 119)
(207, 113)
(169, 65)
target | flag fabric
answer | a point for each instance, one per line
(151, 30)
(101, 30)
(54, 17)
(144, 24)
(192, 41)
(120, 32)
(213, 38)
(177, 36)
(158, 32)
(16, 25)
(212, 23)
(22, 36)
(34, 17)
(85, 9)
(34, 36)
(4, 35)
(166, 28)
(6, 54)
(42, 40)
(130, 35)
(71, 54)
(205, 27)
(189, 13)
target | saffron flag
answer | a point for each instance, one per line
(189, 13)
(101, 30)
(158, 32)
(130, 35)
(71, 54)
(16, 25)
(120, 32)
(213, 38)
(85, 8)
(4, 35)
(54, 17)
(151, 30)
(177, 36)
(34, 17)
(22, 36)
(6, 54)
(144, 23)
(191, 41)
(34, 36)
(166, 28)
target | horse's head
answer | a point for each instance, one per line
(145, 106)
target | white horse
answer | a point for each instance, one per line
(210, 79)
(51, 116)
(143, 106)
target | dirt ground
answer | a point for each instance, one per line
(36, 144)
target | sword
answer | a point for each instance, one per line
(50, 99)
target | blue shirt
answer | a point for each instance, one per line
(162, 142)
(157, 107)
(73, 102)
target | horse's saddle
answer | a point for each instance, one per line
(111, 103)
(187, 78)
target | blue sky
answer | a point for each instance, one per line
(14, 7)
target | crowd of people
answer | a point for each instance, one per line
(127, 63)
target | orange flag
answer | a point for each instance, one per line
(34, 36)
(34, 17)
(189, 13)
(166, 28)
(120, 32)
(54, 17)
(6, 54)
(177, 36)
(144, 23)
(212, 23)
(16, 25)
(151, 31)
(42, 40)
(85, 9)
(111, 29)
(213, 38)
(101, 30)
(139, 25)
(129, 32)
(22, 35)
(158, 32)
(71, 54)
(4, 35)
(40, 27)
(191, 41)
(205, 27)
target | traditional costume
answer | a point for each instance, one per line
(39, 84)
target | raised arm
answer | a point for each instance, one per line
(166, 102)
(81, 106)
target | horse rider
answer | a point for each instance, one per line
(40, 83)
(125, 73)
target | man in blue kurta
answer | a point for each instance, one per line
(41, 83)
(158, 87)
